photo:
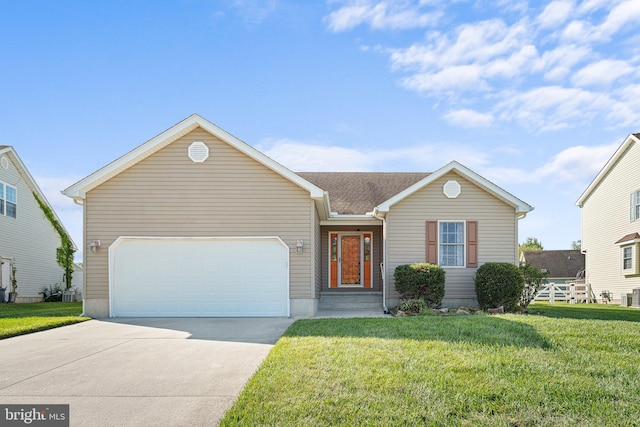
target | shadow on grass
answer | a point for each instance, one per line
(585, 311)
(487, 330)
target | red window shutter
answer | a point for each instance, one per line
(432, 242)
(472, 244)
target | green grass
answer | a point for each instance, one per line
(19, 319)
(561, 366)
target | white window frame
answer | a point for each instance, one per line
(634, 205)
(4, 202)
(463, 244)
(627, 256)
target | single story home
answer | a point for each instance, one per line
(195, 222)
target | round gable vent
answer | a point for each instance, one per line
(198, 152)
(4, 162)
(451, 189)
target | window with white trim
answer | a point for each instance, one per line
(635, 205)
(8, 200)
(451, 243)
(627, 257)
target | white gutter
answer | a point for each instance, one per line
(384, 260)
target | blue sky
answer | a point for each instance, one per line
(535, 96)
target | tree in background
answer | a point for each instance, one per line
(576, 245)
(531, 244)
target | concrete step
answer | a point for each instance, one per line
(350, 301)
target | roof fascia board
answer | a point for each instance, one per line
(521, 206)
(628, 142)
(79, 189)
(33, 185)
(628, 242)
(352, 220)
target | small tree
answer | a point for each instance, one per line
(534, 278)
(420, 280)
(576, 245)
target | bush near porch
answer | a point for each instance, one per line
(422, 281)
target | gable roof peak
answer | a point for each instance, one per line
(522, 208)
(615, 158)
(78, 190)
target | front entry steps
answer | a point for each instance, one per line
(350, 301)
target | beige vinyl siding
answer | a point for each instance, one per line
(605, 220)
(30, 239)
(229, 194)
(406, 231)
(376, 235)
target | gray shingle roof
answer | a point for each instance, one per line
(352, 193)
(559, 263)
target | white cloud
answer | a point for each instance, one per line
(551, 107)
(557, 63)
(601, 73)
(301, 156)
(253, 12)
(577, 165)
(469, 118)
(555, 14)
(380, 15)
(620, 16)
(626, 111)
(304, 157)
(462, 78)
(557, 66)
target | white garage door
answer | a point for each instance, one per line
(199, 277)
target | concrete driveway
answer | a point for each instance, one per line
(133, 372)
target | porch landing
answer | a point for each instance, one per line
(346, 301)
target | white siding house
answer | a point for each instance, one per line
(611, 223)
(28, 241)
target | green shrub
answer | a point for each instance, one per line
(499, 284)
(416, 306)
(420, 281)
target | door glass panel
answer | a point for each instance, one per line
(350, 272)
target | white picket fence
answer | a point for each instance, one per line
(572, 292)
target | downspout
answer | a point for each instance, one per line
(384, 260)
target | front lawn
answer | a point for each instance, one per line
(19, 319)
(561, 366)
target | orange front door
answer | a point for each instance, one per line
(350, 270)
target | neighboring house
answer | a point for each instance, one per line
(195, 222)
(610, 208)
(28, 241)
(561, 266)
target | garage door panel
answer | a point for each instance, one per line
(199, 277)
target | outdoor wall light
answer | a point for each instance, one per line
(93, 246)
(299, 245)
